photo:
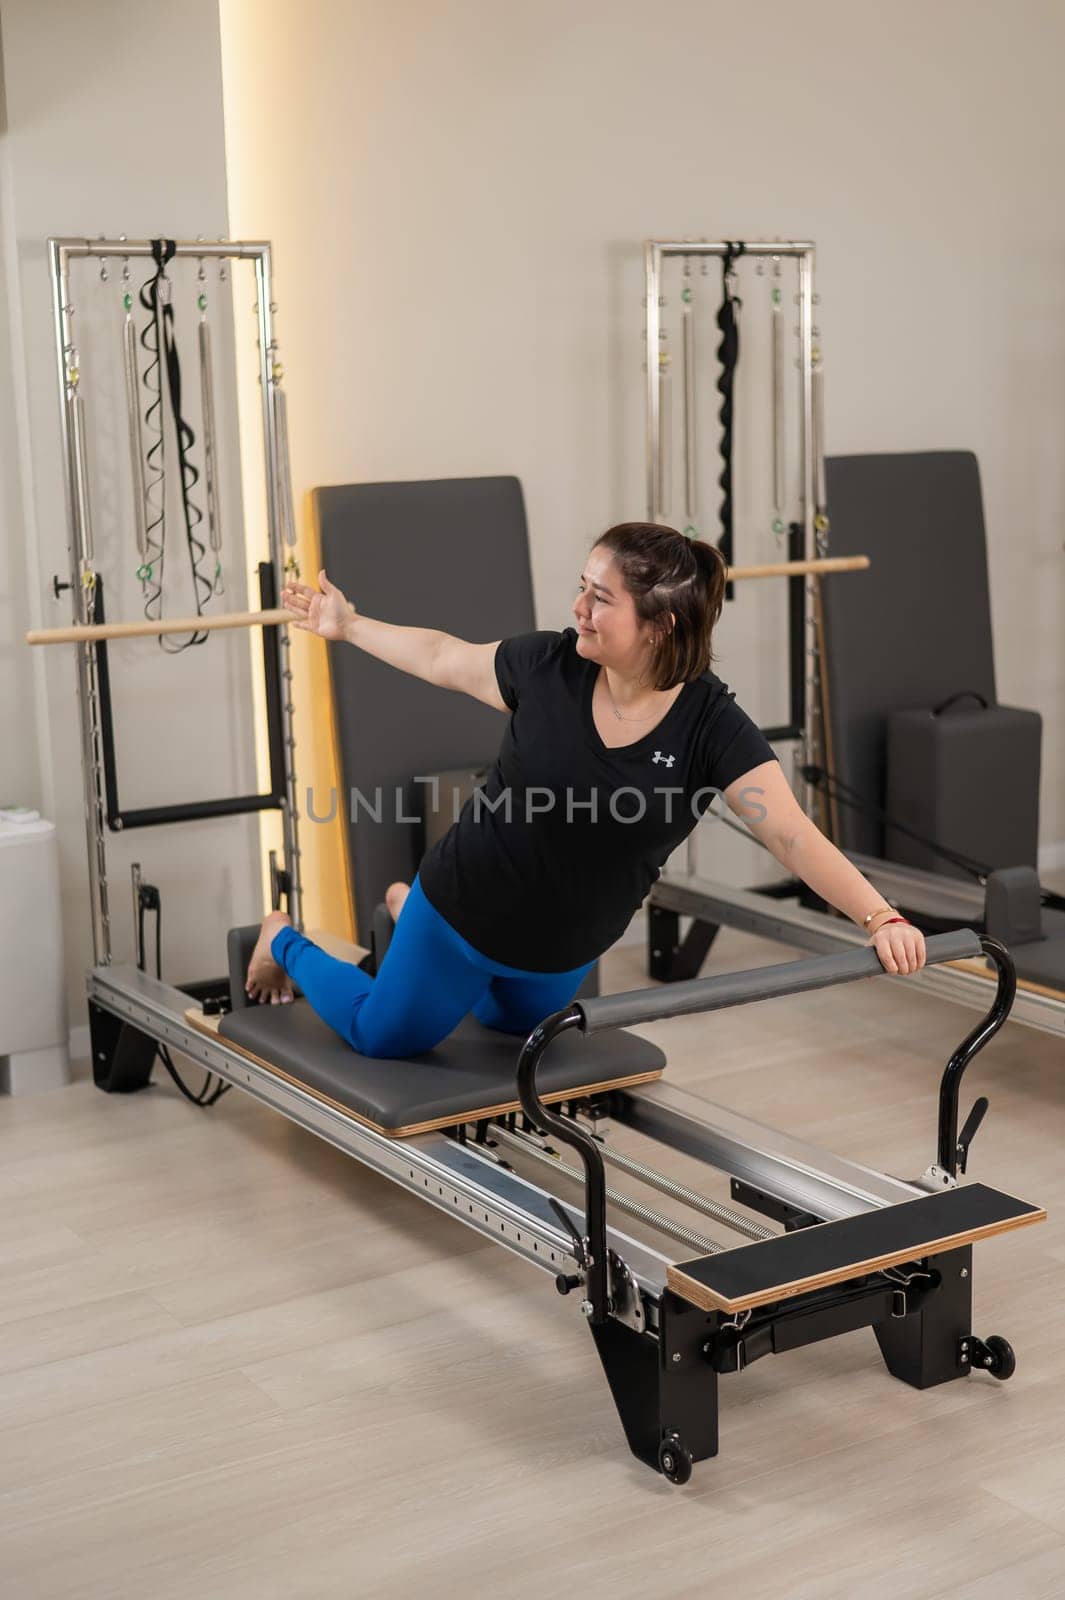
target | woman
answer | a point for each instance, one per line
(619, 736)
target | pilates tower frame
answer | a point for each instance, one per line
(808, 537)
(92, 701)
(766, 911)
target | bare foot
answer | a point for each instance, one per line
(266, 981)
(395, 895)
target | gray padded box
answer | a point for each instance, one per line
(967, 777)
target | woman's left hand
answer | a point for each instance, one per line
(900, 947)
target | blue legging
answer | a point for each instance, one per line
(429, 980)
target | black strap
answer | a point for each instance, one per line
(980, 870)
(155, 455)
(728, 353)
(163, 251)
(818, 777)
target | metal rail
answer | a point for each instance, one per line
(620, 1202)
(710, 901)
(686, 1196)
(800, 1175)
(449, 1175)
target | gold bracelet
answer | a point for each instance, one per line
(868, 919)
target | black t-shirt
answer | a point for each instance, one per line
(549, 861)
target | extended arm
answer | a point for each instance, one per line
(439, 658)
(763, 799)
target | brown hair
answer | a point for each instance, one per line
(665, 571)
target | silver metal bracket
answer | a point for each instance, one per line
(935, 1178)
(625, 1294)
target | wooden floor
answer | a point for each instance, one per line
(235, 1364)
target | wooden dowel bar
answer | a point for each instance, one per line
(88, 632)
(798, 569)
(83, 633)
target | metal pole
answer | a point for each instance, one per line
(224, 249)
(688, 1197)
(88, 703)
(652, 273)
(759, 247)
(807, 510)
(138, 947)
(665, 430)
(621, 1202)
(269, 377)
(778, 357)
(691, 489)
(136, 441)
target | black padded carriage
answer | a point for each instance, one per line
(472, 1074)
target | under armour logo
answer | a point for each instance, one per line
(658, 756)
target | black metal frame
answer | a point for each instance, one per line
(664, 1382)
(795, 728)
(663, 1367)
(952, 1151)
(671, 959)
(119, 820)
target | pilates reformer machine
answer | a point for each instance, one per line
(925, 782)
(816, 1245)
(851, 1247)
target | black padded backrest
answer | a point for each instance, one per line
(450, 554)
(915, 628)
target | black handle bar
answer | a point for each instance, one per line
(757, 983)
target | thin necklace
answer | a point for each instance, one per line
(617, 713)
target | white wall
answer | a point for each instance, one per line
(458, 192)
(114, 125)
(21, 777)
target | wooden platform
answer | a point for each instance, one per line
(833, 1252)
(980, 969)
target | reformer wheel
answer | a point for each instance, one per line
(674, 1461)
(1003, 1361)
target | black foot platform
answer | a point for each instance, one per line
(835, 1252)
